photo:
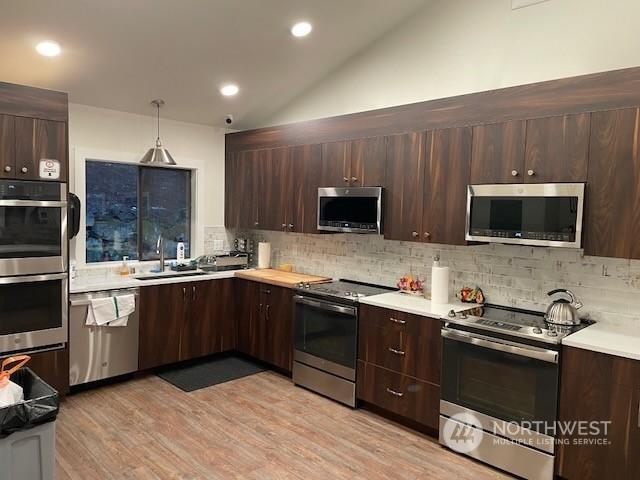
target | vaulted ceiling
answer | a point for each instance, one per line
(120, 54)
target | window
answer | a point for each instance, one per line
(128, 206)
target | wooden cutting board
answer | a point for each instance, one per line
(280, 278)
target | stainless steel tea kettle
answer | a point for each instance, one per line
(563, 311)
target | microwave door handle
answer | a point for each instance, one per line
(536, 353)
(32, 278)
(324, 305)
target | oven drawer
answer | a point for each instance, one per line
(399, 321)
(414, 355)
(400, 394)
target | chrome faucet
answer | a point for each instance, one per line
(160, 251)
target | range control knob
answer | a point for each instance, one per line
(537, 330)
(463, 315)
(306, 285)
(552, 333)
(451, 314)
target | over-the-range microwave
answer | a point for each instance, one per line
(350, 209)
(545, 214)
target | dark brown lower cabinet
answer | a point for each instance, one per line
(399, 358)
(186, 320)
(209, 322)
(53, 368)
(265, 322)
(596, 387)
(400, 394)
(279, 326)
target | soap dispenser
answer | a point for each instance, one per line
(124, 268)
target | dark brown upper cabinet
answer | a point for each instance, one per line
(447, 165)
(404, 184)
(275, 192)
(336, 164)
(612, 213)
(498, 153)
(557, 149)
(368, 159)
(357, 163)
(37, 140)
(241, 187)
(273, 189)
(7, 147)
(305, 161)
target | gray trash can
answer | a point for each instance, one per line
(27, 431)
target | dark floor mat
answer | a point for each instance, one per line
(209, 372)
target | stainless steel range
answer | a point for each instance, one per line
(325, 337)
(499, 391)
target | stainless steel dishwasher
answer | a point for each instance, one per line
(99, 352)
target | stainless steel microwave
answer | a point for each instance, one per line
(350, 210)
(545, 214)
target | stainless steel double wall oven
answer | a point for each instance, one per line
(33, 265)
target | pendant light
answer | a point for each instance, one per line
(158, 155)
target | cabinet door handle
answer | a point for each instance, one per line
(284, 225)
(531, 173)
(255, 224)
(268, 311)
(7, 168)
(394, 393)
(395, 320)
(427, 235)
(184, 295)
(514, 173)
(354, 179)
(193, 290)
(346, 179)
(24, 169)
(396, 351)
(414, 234)
(291, 226)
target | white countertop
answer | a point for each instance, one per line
(112, 282)
(417, 305)
(604, 338)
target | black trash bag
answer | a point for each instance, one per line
(40, 404)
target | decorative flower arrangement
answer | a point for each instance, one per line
(471, 295)
(408, 284)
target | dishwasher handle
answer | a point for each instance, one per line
(84, 301)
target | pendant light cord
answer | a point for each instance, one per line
(158, 120)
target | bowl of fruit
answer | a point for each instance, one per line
(410, 285)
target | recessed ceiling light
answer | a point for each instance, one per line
(48, 48)
(301, 29)
(229, 90)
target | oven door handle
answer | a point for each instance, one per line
(32, 278)
(536, 353)
(324, 305)
(33, 203)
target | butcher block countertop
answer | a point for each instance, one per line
(279, 277)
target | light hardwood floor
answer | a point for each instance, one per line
(257, 427)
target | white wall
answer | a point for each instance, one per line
(455, 47)
(109, 133)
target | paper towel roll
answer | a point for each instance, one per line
(439, 284)
(264, 254)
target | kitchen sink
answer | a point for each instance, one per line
(158, 276)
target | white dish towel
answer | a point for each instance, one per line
(111, 311)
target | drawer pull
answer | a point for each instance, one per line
(395, 320)
(394, 393)
(396, 351)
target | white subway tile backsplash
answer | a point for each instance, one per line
(509, 274)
